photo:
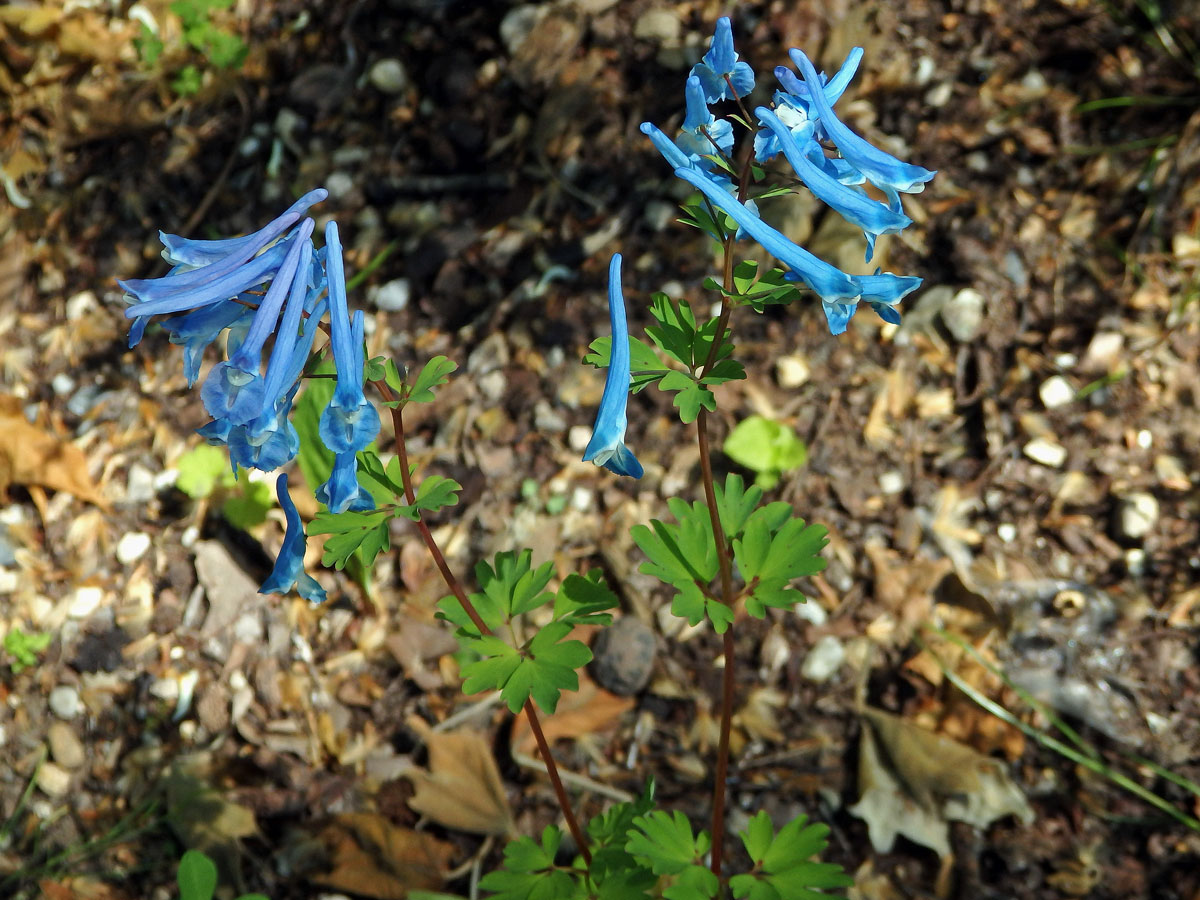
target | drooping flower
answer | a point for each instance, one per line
(288, 573)
(349, 422)
(795, 109)
(703, 134)
(882, 169)
(828, 281)
(872, 217)
(721, 62)
(607, 446)
(235, 389)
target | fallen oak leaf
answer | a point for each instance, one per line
(32, 456)
(372, 857)
(462, 789)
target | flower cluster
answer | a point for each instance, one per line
(270, 284)
(799, 124)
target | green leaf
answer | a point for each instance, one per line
(435, 373)
(202, 469)
(735, 503)
(529, 872)
(585, 599)
(645, 365)
(350, 531)
(436, 492)
(374, 476)
(24, 647)
(666, 844)
(188, 82)
(249, 506)
(770, 559)
(513, 585)
(766, 447)
(675, 333)
(683, 555)
(784, 868)
(197, 876)
(148, 45)
(692, 395)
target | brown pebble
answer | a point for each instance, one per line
(65, 747)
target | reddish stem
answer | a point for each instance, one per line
(456, 588)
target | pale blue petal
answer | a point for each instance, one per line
(829, 282)
(288, 573)
(607, 445)
(882, 169)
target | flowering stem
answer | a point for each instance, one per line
(456, 588)
(726, 569)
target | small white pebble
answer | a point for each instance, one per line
(85, 601)
(393, 296)
(578, 437)
(1145, 439)
(54, 780)
(792, 371)
(132, 546)
(1007, 532)
(62, 384)
(811, 611)
(581, 499)
(1046, 452)
(891, 482)
(1135, 561)
(388, 76)
(1056, 391)
(64, 702)
(1137, 514)
(825, 657)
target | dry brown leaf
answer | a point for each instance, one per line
(374, 858)
(462, 789)
(589, 710)
(31, 456)
(912, 782)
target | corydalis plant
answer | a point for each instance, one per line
(269, 285)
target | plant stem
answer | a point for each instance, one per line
(727, 596)
(460, 594)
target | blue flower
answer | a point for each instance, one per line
(794, 108)
(207, 272)
(200, 327)
(828, 281)
(607, 446)
(855, 207)
(703, 134)
(342, 491)
(882, 169)
(235, 389)
(289, 573)
(349, 423)
(721, 61)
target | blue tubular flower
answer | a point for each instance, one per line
(349, 423)
(703, 133)
(884, 290)
(720, 61)
(342, 491)
(211, 271)
(664, 145)
(234, 389)
(882, 169)
(833, 285)
(833, 87)
(289, 573)
(855, 207)
(607, 446)
(199, 328)
(229, 252)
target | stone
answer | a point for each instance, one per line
(388, 76)
(624, 656)
(963, 315)
(65, 747)
(1046, 452)
(1056, 391)
(792, 371)
(64, 702)
(659, 25)
(1137, 514)
(393, 296)
(132, 546)
(824, 659)
(53, 779)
